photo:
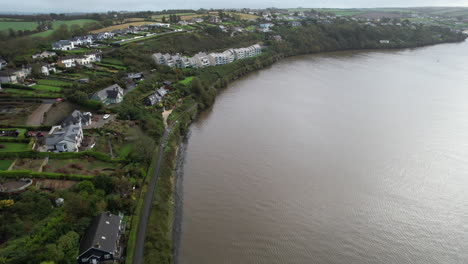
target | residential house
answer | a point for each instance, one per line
(47, 68)
(214, 19)
(101, 242)
(77, 117)
(82, 60)
(22, 73)
(65, 139)
(197, 20)
(63, 45)
(159, 58)
(67, 62)
(8, 76)
(202, 59)
(44, 54)
(155, 97)
(160, 25)
(384, 41)
(218, 58)
(135, 76)
(3, 63)
(152, 99)
(93, 56)
(110, 95)
(77, 41)
(183, 23)
(265, 27)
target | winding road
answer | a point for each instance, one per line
(146, 209)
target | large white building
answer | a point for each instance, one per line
(201, 59)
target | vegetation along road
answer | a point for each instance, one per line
(141, 234)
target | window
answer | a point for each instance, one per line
(107, 256)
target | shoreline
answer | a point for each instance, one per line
(180, 158)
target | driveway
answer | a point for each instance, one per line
(37, 116)
(99, 122)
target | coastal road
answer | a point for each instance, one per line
(145, 212)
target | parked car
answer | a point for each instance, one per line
(106, 116)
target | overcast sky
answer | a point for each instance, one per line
(133, 5)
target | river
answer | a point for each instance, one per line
(347, 157)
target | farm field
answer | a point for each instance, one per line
(16, 113)
(89, 166)
(13, 147)
(20, 25)
(31, 25)
(245, 16)
(121, 26)
(28, 164)
(57, 24)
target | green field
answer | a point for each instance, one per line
(57, 24)
(30, 93)
(22, 25)
(46, 88)
(53, 82)
(13, 147)
(186, 81)
(6, 25)
(112, 61)
(117, 67)
(5, 164)
(10, 19)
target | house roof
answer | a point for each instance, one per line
(77, 117)
(103, 233)
(111, 92)
(67, 134)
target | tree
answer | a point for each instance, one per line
(163, 19)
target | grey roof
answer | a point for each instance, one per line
(75, 118)
(61, 43)
(103, 94)
(67, 133)
(103, 233)
(112, 94)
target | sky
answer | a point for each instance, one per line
(157, 5)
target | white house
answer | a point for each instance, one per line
(67, 62)
(8, 76)
(44, 54)
(47, 68)
(63, 45)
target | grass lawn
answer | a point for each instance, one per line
(186, 81)
(82, 166)
(5, 164)
(125, 150)
(13, 147)
(52, 82)
(57, 24)
(39, 92)
(112, 61)
(46, 88)
(117, 67)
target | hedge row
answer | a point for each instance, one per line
(18, 140)
(29, 128)
(17, 86)
(43, 175)
(63, 155)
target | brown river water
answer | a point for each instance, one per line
(348, 157)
